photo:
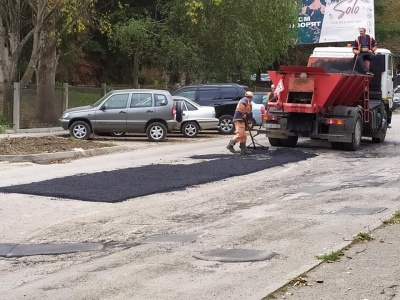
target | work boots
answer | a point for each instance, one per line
(230, 146)
(243, 149)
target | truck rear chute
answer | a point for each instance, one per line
(312, 90)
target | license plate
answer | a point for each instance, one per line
(271, 125)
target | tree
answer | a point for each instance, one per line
(11, 49)
(236, 37)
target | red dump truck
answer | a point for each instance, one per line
(328, 99)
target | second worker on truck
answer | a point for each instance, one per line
(364, 48)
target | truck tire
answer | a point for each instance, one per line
(156, 132)
(190, 129)
(381, 135)
(356, 137)
(291, 141)
(337, 145)
(226, 125)
(80, 130)
(274, 141)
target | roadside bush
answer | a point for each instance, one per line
(3, 124)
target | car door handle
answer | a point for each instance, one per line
(149, 111)
(122, 112)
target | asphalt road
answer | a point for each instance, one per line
(157, 245)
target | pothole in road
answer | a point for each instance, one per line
(235, 255)
(360, 210)
(20, 250)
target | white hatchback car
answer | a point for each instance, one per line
(194, 117)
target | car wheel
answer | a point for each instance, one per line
(226, 125)
(156, 132)
(80, 130)
(118, 133)
(190, 129)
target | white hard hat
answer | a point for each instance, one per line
(248, 94)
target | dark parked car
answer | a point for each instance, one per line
(223, 96)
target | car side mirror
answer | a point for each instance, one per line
(103, 107)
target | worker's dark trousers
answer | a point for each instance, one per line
(361, 61)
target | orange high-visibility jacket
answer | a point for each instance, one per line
(357, 44)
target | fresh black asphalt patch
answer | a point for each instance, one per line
(123, 184)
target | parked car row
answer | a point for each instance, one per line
(156, 112)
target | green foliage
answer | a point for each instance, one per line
(332, 256)
(4, 122)
(395, 219)
(363, 237)
(234, 37)
(82, 98)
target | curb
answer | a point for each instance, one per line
(50, 157)
(34, 130)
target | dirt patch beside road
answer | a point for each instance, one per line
(46, 144)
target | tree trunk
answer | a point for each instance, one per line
(46, 74)
(135, 71)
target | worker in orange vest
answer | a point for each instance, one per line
(364, 48)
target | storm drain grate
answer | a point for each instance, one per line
(18, 250)
(235, 255)
(360, 210)
(172, 238)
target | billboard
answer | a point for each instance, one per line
(325, 21)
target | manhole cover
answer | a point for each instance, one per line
(16, 250)
(235, 255)
(172, 238)
(360, 210)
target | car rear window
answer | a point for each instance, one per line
(190, 106)
(160, 100)
(191, 94)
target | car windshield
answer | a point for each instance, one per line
(98, 102)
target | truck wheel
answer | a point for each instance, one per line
(226, 125)
(156, 132)
(356, 138)
(80, 130)
(274, 141)
(190, 129)
(381, 135)
(337, 145)
(291, 141)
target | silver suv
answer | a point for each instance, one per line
(138, 111)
